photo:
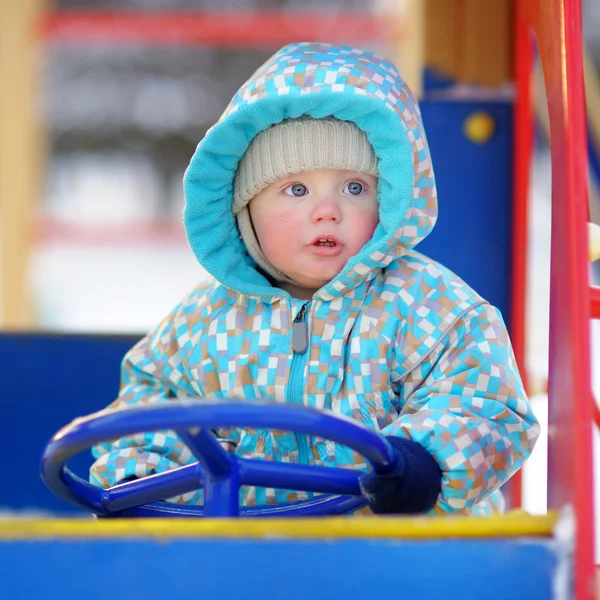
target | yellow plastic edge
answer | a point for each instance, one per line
(368, 527)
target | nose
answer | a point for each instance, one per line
(327, 210)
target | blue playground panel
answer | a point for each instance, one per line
(472, 236)
(48, 380)
(482, 569)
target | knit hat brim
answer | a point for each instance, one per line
(297, 145)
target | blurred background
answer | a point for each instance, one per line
(103, 103)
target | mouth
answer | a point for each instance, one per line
(326, 246)
(326, 241)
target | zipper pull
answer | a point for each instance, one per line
(300, 332)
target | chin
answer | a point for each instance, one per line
(320, 281)
(315, 278)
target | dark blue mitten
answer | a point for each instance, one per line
(412, 487)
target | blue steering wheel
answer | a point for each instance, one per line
(218, 472)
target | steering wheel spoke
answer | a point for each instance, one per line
(287, 476)
(207, 450)
(153, 488)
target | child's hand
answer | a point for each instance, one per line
(412, 487)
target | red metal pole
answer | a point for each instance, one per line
(523, 146)
(595, 302)
(558, 28)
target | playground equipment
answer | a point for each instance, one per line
(510, 557)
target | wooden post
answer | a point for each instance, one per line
(488, 42)
(413, 45)
(444, 36)
(407, 43)
(470, 40)
(20, 152)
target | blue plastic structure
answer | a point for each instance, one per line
(218, 472)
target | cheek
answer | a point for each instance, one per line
(277, 232)
(364, 225)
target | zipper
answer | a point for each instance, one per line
(296, 383)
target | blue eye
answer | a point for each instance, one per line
(354, 188)
(296, 189)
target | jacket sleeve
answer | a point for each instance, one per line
(153, 371)
(465, 404)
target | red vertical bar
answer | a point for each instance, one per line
(595, 302)
(523, 145)
(558, 28)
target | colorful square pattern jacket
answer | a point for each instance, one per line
(396, 341)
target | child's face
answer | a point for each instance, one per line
(309, 224)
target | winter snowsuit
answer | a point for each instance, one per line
(397, 342)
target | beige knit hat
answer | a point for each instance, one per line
(293, 146)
